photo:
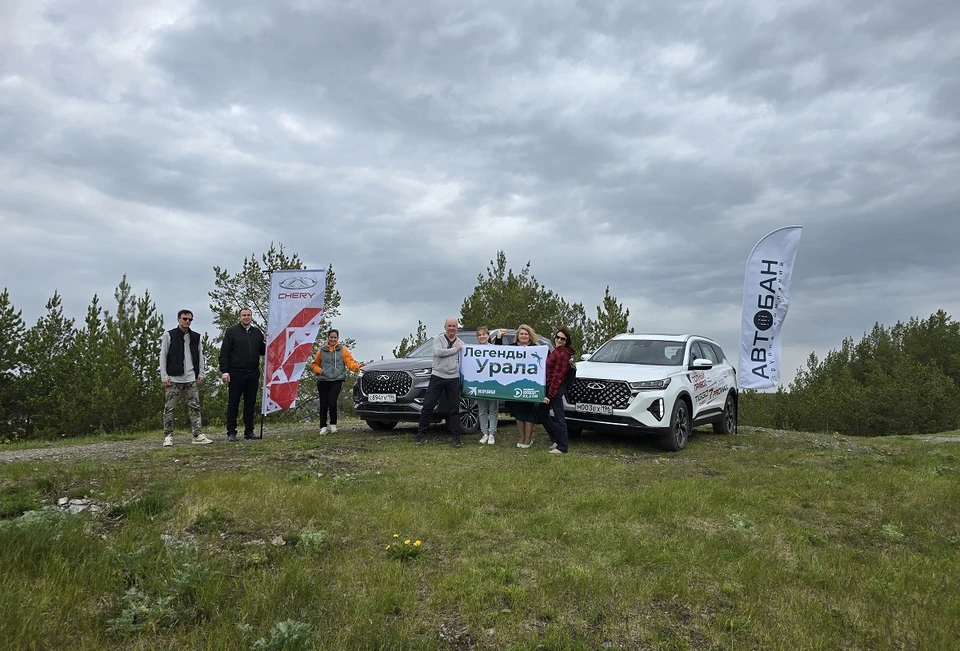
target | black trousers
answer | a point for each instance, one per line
(450, 390)
(555, 425)
(329, 392)
(243, 384)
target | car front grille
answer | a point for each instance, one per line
(405, 408)
(398, 382)
(600, 392)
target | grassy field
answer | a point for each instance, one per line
(762, 540)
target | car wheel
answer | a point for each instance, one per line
(676, 439)
(729, 422)
(574, 431)
(469, 416)
(381, 425)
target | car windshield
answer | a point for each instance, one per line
(470, 337)
(426, 348)
(653, 352)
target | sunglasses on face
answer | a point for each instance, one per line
(559, 338)
(186, 318)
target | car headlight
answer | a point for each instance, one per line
(649, 385)
(423, 372)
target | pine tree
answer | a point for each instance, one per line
(612, 320)
(504, 299)
(411, 341)
(47, 371)
(248, 288)
(132, 336)
(11, 324)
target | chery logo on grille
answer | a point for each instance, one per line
(596, 386)
(298, 282)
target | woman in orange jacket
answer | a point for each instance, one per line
(330, 365)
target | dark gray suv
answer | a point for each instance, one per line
(391, 391)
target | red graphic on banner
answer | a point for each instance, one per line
(284, 354)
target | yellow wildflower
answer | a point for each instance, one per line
(396, 535)
(406, 542)
(417, 544)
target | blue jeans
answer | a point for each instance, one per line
(489, 412)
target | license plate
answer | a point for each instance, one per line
(382, 397)
(586, 408)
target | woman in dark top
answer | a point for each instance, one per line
(558, 364)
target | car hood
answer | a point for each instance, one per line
(402, 364)
(625, 372)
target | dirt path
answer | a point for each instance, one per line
(939, 438)
(120, 450)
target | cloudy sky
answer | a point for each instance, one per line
(642, 145)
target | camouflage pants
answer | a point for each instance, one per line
(172, 394)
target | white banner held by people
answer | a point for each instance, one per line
(515, 373)
(766, 297)
(296, 308)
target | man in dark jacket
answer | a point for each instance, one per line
(240, 352)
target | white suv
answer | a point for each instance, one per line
(661, 384)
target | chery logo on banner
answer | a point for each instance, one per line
(766, 297)
(296, 309)
(297, 287)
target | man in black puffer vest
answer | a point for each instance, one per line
(181, 370)
(243, 346)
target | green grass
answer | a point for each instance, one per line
(764, 540)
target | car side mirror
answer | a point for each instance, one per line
(585, 357)
(701, 364)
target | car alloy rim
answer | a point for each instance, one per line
(681, 428)
(469, 414)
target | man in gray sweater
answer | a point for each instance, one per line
(445, 382)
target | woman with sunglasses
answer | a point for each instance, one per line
(558, 363)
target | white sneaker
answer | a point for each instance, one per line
(323, 430)
(553, 447)
(484, 439)
(333, 429)
(167, 441)
(520, 445)
(490, 440)
(201, 440)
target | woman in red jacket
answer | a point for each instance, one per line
(558, 363)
